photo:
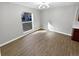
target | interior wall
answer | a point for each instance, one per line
(78, 14)
(60, 19)
(10, 20)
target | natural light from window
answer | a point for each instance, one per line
(50, 27)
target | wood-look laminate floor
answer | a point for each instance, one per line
(0, 51)
(42, 43)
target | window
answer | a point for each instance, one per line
(26, 21)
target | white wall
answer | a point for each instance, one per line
(60, 18)
(10, 20)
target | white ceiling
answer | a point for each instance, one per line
(52, 4)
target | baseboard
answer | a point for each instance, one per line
(11, 40)
(63, 33)
(18, 37)
(29, 33)
(60, 32)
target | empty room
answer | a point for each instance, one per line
(39, 28)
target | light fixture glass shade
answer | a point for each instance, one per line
(43, 5)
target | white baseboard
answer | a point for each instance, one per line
(27, 34)
(18, 37)
(11, 41)
(60, 32)
(63, 33)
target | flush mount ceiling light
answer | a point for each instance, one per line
(43, 5)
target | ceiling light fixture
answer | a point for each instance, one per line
(43, 5)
